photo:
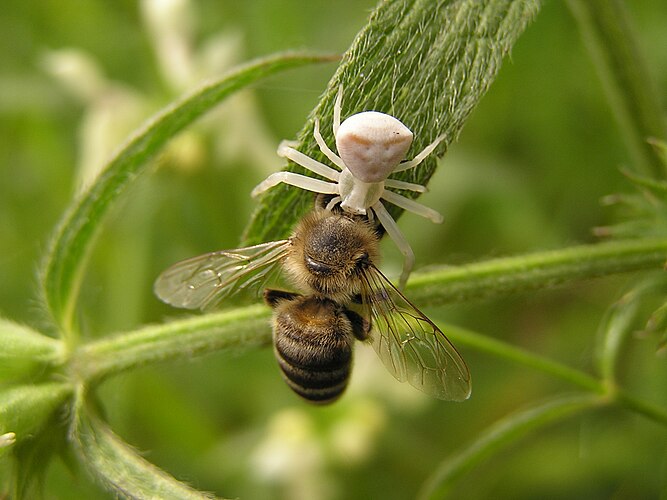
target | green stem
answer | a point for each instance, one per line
(498, 277)
(250, 326)
(234, 329)
(117, 465)
(463, 337)
(601, 388)
(648, 410)
(606, 29)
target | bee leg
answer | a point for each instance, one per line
(274, 297)
(361, 327)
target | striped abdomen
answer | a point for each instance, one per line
(313, 340)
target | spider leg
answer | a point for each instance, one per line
(421, 156)
(408, 186)
(397, 237)
(297, 180)
(332, 203)
(299, 158)
(337, 109)
(335, 159)
(411, 206)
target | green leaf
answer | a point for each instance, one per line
(25, 409)
(660, 149)
(621, 320)
(656, 187)
(118, 466)
(32, 459)
(426, 62)
(63, 266)
(23, 349)
(29, 414)
(638, 215)
(500, 435)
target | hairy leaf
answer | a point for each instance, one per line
(118, 466)
(426, 62)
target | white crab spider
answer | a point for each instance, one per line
(371, 146)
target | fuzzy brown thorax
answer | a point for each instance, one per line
(329, 254)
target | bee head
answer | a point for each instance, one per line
(330, 253)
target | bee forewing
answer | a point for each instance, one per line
(410, 345)
(203, 281)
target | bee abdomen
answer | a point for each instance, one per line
(319, 387)
(313, 345)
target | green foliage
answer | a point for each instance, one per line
(428, 63)
(71, 244)
(26, 408)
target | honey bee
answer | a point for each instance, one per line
(332, 259)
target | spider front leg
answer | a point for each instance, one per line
(338, 105)
(296, 180)
(287, 151)
(397, 237)
(335, 159)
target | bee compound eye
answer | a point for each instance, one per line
(317, 267)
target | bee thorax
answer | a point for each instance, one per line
(328, 253)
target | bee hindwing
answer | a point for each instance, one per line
(410, 345)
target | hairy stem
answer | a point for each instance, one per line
(249, 326)
(234, 329)
(499, 277)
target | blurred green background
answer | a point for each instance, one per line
(527, 174)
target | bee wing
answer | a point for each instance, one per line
(203, 281)
(410, 345)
